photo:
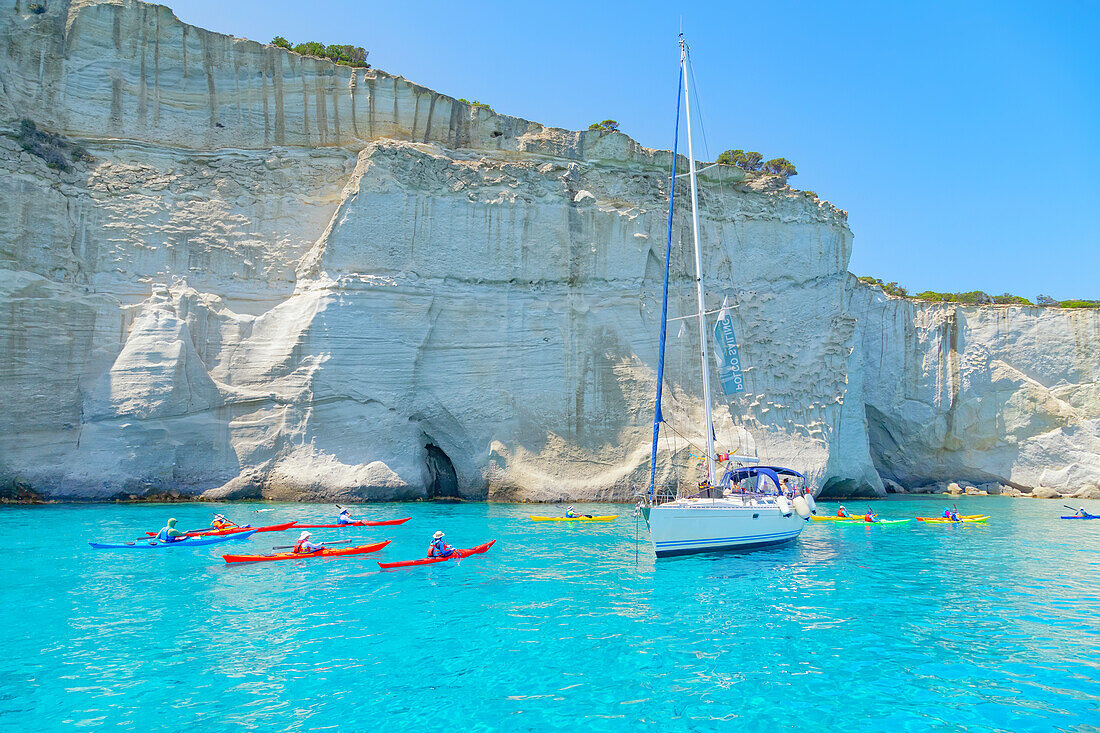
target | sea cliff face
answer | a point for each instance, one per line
(280, 277)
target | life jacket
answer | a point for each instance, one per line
(868, 518)
(443, 549)
(219, 524)
(946, 513)
(300, 549)
(842, 512)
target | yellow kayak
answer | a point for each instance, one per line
(944, 520)
(603, 518)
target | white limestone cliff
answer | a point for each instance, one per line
(285, 278)
(1005, 394)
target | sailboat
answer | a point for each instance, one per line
(749, 505)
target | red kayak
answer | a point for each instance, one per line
(326, 552)
(233, 530)
(387, 523)
(457, 555)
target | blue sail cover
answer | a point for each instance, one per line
(727, 355)
(772, 473)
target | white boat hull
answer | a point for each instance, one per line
(689, 526)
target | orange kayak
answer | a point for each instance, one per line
(326, 552)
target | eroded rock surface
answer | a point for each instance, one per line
(283, 278)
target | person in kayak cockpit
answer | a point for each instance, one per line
(345, 517)
(303, 546)
(572, 513)
(170, 533)
(220, 522)
(439, 548)
(1081, 512)
(842, 512)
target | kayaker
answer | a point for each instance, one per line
(946, 513)
(842, 512)
(439, 548)
(953, 516)
(220, 522)
(870, 516)
(1081, 512)
(303, 546)
(572, 513)
(170, 533)
(345, 517)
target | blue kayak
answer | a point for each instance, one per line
(1087, 516)
(155, 544)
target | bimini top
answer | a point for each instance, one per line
(772, 473)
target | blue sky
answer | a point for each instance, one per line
(962, 138)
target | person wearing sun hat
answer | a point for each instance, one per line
(439, 548)
(304, 546)
(220, 522)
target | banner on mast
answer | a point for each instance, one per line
(727, 355)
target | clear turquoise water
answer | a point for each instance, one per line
(911, 627)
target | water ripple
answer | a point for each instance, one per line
(903, 628)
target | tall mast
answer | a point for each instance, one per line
(698, 268)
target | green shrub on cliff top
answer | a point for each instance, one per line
(891, 288)
(781, 167)
(475, 103)
(605, 126)
(749, 161)
(345, 55)
(973, 297)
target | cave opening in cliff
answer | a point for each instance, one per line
(837, 488)
(442, 479)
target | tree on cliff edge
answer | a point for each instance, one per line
(749, 161)
(605, 126)
(781, 167)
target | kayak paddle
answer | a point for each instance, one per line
(343, 509)
(291, 547)
(1076, 509)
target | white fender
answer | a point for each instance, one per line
(784, 505)
(811, 503)
(801, 506)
